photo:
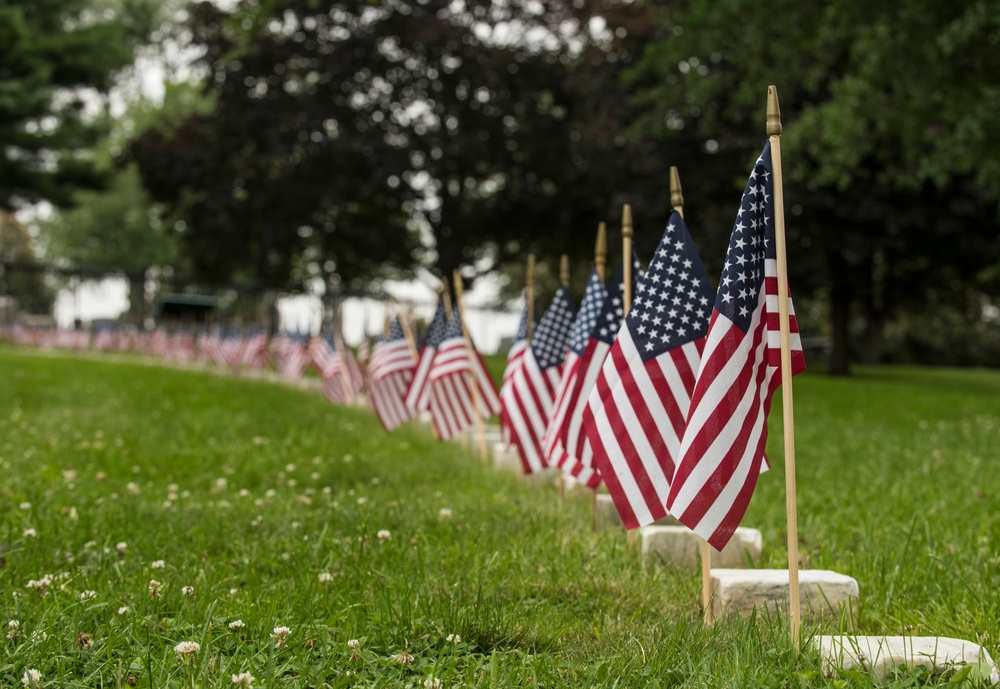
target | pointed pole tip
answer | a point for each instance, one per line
(676, 194)
(773, 112)
(627, 221)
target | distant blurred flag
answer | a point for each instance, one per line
(528, 397)
(232, 347)
(390, 373)
(417, 399)
(722, 450)
(636, 412)
(563, 440)
(514, 357)
(254, 349)
(449, 383)
(291, 355)
(331, 368)
(104, 339)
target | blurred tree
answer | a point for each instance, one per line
(353, 135)
(56, 58)
(891, 159)
(20, 275)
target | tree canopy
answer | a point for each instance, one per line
(56, 58)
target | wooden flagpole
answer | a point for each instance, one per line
(677, 203)
(627, 257)
(407, 331)
(529, 286)
(480, 430)
(447, 300)
(600, 263)
(341, 347)
(774, 135)
(601, 250)
(627, 281)
(564, 281)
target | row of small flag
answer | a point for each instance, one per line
(665, 402)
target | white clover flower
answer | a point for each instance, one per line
(244, 679)
(280, 634)
(290, 468)
(154, 588)
(244, 493)
(325, 577)
(236, 624)
(403, 658)
(156, 564)
(362, 500)
(233, 592)
(29, 533)
(31, 678)
(121, 547)
(38, 636)
(354, 644)
(87, 595)
(133, 488)
(14, 624)
(432, 682)
(453, 639)
(384, 535)
(122, 610)
(444, 514)
(187, 648)
(187, 590)
(24, 506)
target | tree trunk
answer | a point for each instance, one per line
(136, 300)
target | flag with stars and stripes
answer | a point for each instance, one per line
(637, 409)
(449, 384)
(527, 399)
(562, 442)
(390, 371)
(722, 450)
(591, 360)
(514, 357)
(329, 363)
(291, 355)
(416, 395)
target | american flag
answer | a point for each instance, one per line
(254, 351)
(449, 384)
(722, 451)
(291, 355)
(416, 399)
(514, 357)
(564, 438)
(592, 359)
(528, 397)
(636, 412)
(390, 372)
(328, 362)
(232, 347)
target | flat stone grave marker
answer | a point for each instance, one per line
(880, 654)
(822, 593)
(678, 546)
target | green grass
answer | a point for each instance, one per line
(268, 503)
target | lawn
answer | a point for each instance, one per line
(146, 508)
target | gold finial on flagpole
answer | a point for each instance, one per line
(773, 112)
(601, 250)
(676, 195)
(564, 270)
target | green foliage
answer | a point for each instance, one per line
(889, 157)
(248, 492)
(58, 57)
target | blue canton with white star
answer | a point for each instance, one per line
(673, 302)
(522, 324)
(610, 320)
(549, 342)
(590, 310)
(454, 328)
(435, 332)
(752, 241)
(395, 330)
